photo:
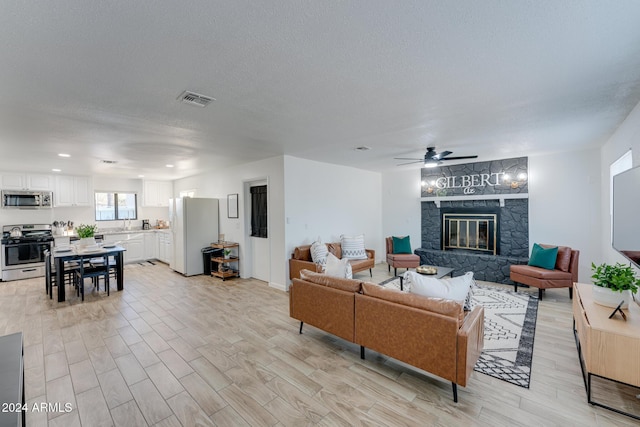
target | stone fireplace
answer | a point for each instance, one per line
(511, 231)
(475, 217)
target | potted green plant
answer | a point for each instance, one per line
(227, 253)
(613, 284)
(86, 234)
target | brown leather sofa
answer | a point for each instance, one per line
(564, 275)
(400, 260)
(301, 260)
(432, 334)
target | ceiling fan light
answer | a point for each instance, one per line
(431, 164)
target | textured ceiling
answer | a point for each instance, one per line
(313, 79)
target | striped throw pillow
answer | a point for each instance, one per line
(353, 247)
(319, 253)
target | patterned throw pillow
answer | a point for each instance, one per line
(319, 253)
(353, 247)
(348, 271)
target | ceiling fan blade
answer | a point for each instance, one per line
(440, 156)
(461, 157)
(410, 163)
(407, 158)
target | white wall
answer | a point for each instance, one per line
(626, 137)
(220, 183)
(325, 200)
(564, 204)
(401, 206)
(20, 216)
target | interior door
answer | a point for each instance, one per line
(260, 257)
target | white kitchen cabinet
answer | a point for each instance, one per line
(73, 191)
(150, 246)
(161, 248)
(135, 249)
(157, 193)
(133, 244)
(165, 247)
(21, 181)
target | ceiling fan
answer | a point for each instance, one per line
(432, 158)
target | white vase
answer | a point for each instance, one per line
(87, 241)
(609, 298)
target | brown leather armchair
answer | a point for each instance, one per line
(564, 275)
(400, 260)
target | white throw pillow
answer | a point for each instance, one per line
(457, 288)
(353, 247)
(319, 253)
(338, 267)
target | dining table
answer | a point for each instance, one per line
(74, 253)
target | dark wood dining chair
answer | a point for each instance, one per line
(94, 272)
(50, 273)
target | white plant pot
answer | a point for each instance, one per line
(87, 241)
(609, 298)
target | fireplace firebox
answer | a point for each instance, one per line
(470, 230)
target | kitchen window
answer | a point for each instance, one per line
(114, 206)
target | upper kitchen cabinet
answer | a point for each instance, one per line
(73, 191)
(157, 193)
(21, 181)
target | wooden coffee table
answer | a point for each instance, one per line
(441, 272)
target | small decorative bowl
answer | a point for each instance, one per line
(425, 269)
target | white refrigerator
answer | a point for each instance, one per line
(194, 225)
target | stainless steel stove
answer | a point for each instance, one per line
(22, 250)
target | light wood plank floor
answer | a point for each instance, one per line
(171, 350)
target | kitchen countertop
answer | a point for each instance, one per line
(133, 230)
(109, 231)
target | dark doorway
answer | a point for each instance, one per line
(259, 211)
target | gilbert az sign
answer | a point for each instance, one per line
(507, 176)
(468, 182)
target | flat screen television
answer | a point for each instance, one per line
(626, 214)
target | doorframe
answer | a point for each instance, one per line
(247, 184)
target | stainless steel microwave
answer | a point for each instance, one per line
(15, 199)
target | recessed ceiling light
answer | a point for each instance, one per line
(169, 166)
(56, 170)
(362, 148)
(64, 155)
(140, 176)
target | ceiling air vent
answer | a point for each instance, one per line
(362, 148)
(196, 99)
(109, 162)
